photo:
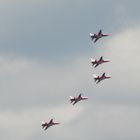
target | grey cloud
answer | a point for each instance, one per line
(37, 29)
(98, 122)
(24, 83)
(45, 33)
(75, 77)
(26, 123)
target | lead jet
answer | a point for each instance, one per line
(74, 100)
(96, 63)
(97, 36)
(100, 78)
(46, 125)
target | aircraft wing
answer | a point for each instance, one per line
(96, 39)
(96, 65)
(75, 102)
(46, 128)
(98, 81)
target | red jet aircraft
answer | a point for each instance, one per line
(100, 78)
(98, 62)
(97, 36)
(74, 100)
(46, 125)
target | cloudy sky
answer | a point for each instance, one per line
(45, 52)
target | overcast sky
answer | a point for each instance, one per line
(45, 52)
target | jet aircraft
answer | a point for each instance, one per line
(46, 125)
(97, 36)
(74, 100)
(100, 78)
(98, 62)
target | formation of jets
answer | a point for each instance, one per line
(97, 79)
(96, 62)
